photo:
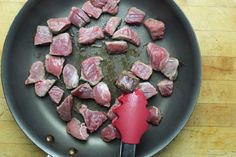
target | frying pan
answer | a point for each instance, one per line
(37, 117)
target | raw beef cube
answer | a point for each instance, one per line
(156, 28)
(90, 35)
(78, 17)
(112, 25)
(91, 10)
(170, 68)
(148, 89)
(110, 114)
(111, 7)
(109, 133)
(84, 91)
(127, 34)
(155, 115)
(54, 65)
(165, 87)
(116, 47)
(93, 119)
(142, 70)
(61, 45)
(134, 16)
(65, 109)
(70, 76)
(91, 70)
(102, 94)
(57, 25)
(157, 56)
(42, 87)
(127, 81)
(43, 36)
(77, 129)
(98, 3)
(56, 94)
(37, 73)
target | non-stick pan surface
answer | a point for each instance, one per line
(37, 117)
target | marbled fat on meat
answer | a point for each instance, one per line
(61, 45)
(116, 47)
(90, 35)
(42, 87)
(157, 56)
(70, 76)
(112, 25)
(77, 129)
(102, 94)
(126, 33)
(93, 119)
(56, 94)
(91, 70)
(54, 65)
(57, 25)
(65, 109)
(142, 70)
(37, 73)
(84, 91)
(156, 28)
(109, 133)
(43, 36)
(134, 16)
(91, 10)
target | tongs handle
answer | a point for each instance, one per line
(127, 150)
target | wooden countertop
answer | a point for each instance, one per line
(211, 130)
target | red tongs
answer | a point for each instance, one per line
(131, 121)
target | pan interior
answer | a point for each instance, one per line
(38, 117)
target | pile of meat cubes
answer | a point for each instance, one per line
(55, 35)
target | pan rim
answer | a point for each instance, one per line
(26, 129)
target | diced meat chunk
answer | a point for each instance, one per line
(102, 94)
(111, 7)
(148, 89)
(91, 10)
(156, 28)
(91, 70)
(170, 68)
(56, 94)
(110, 114)
(112, 25)
(165, 87)
(43, 36)
(127, 81)
(37, 73)
(77, 129)
(84, 91)
(90, 35)
(70, 76)
(127, 34)
(142, 70)
(54, 65)
(116, 47)
(65, 109)
(134, 16)
(109, 133)
(157, 56)
(61, 45)
(93, 119)
(57, 25)
(42, 87)
(78, 17)
(155, 115)
(98, 3)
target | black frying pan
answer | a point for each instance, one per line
(38, 118)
